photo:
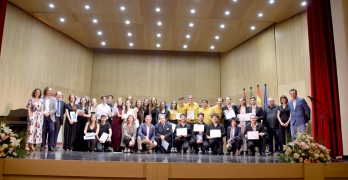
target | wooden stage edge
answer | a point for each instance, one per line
(20, 169)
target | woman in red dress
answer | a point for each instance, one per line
(116, 126)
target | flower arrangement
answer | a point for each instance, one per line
(10, 143)
(303, 150)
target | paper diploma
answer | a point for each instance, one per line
(244, 117)
(190, 115)
(73, 116)
(165, 144)
(215, 133)
(181, 132)
(103, 137)
(88, 137)
(253, 134)
(114, 111)
(79, 111)
(230, 114)
(178, 116)
(198, 127)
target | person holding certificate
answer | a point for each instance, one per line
(229, 111)
(255, 135)
(234, 137)
(130, 131)
(146, 135)
(83, 114)
(199, 134)
(192, 110)
(183, 133)
(242, 109)
(182, 108)
(206, 110)
(70, 126)
(91, 127)
(163, 135)
(215, 133)
(173, 113)
(104, 135)
(162, 110)
(255, 109)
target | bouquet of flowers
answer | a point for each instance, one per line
(303, 150)
(10, 144)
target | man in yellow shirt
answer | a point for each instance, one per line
(218, 109)
(192, 107)
(181, 108)
(206, 110)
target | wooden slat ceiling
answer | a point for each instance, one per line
(175, 16)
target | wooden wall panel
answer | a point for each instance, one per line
(36, 55)
(164, 75)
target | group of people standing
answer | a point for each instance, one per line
(147, 124)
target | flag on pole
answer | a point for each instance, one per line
(251, 93)
(258, 97)
(265, 97)
(244, 94)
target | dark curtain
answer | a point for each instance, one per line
(3, 5)
(325, 105)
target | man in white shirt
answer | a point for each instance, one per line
(103, 108)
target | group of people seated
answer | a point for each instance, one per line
(146, 126)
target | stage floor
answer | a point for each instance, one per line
(166, 158)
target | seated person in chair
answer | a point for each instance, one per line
(234, 137)
(261, 141)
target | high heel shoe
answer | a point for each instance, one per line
(32, 148)
(27, 148)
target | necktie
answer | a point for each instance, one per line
(58, 109)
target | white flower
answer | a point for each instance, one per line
(303, 154)
(14, 154)
(321, 147)
(296, 156)
(4, 146)
(15, 142)
(302, 144)
(7, 130)
(316, 156)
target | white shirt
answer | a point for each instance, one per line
(253, 109)
(102, 109)
(47, 104)
(294, 103)
(147, 131)
(232, 132)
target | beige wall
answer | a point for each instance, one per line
(339, 10)
(35, 55)
(164, 75)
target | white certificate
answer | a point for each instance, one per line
(198, 127)
(181, 132)
(104, 136)
(114, 111)
(88, 137)
(190, 115)
(230, 114)
(73, 116)
(253, 134)
(80, 111)
(215, 133)
(244, 117)
(178, 116)
(89, 134)
(165, 144)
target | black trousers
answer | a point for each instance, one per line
(216, 146)
(273, 133)
(282, 135)
(260, 143)
(159, 145)
(181, 144)
(205, 145)
(234, 145)
(57, 126)
(126, 141)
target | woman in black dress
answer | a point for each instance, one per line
(91, 127)
(284, 120)
(162, 110)
(70, 126)
(153, 110)
(140, 112)
(82, 120)
(146, 107)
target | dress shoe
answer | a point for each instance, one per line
(107, 150)
(185, 152)
(51, 149)
(262, 154)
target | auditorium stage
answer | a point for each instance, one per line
(83, 165)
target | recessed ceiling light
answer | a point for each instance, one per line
(227, 12)
(235, 0)
(129, 34)
(252, 27)
(191, 24)
(62, 19)
(217, 37)
(212, 47)
(193, 11)
(86, 7)
(127, 22)
(271, 1)
(304, 3)
(95, 20)
(100, 33)
(122, 8)
(130, 44)
(158, 45)
(260, 14)
(158, 9)
(185, 46)
(159, 23)
(222, 26)
(103, 43)
(188, 36)
(158, 35)
(51, 5)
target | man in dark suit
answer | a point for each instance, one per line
(49, 119)
(216, 143)
(59, 116)
(252, 143)
(200, 137)
(146, 135)
(300, 113)
(234, 137)
(163, 133)
(226, 109)
(182, 141)
(255, 109)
